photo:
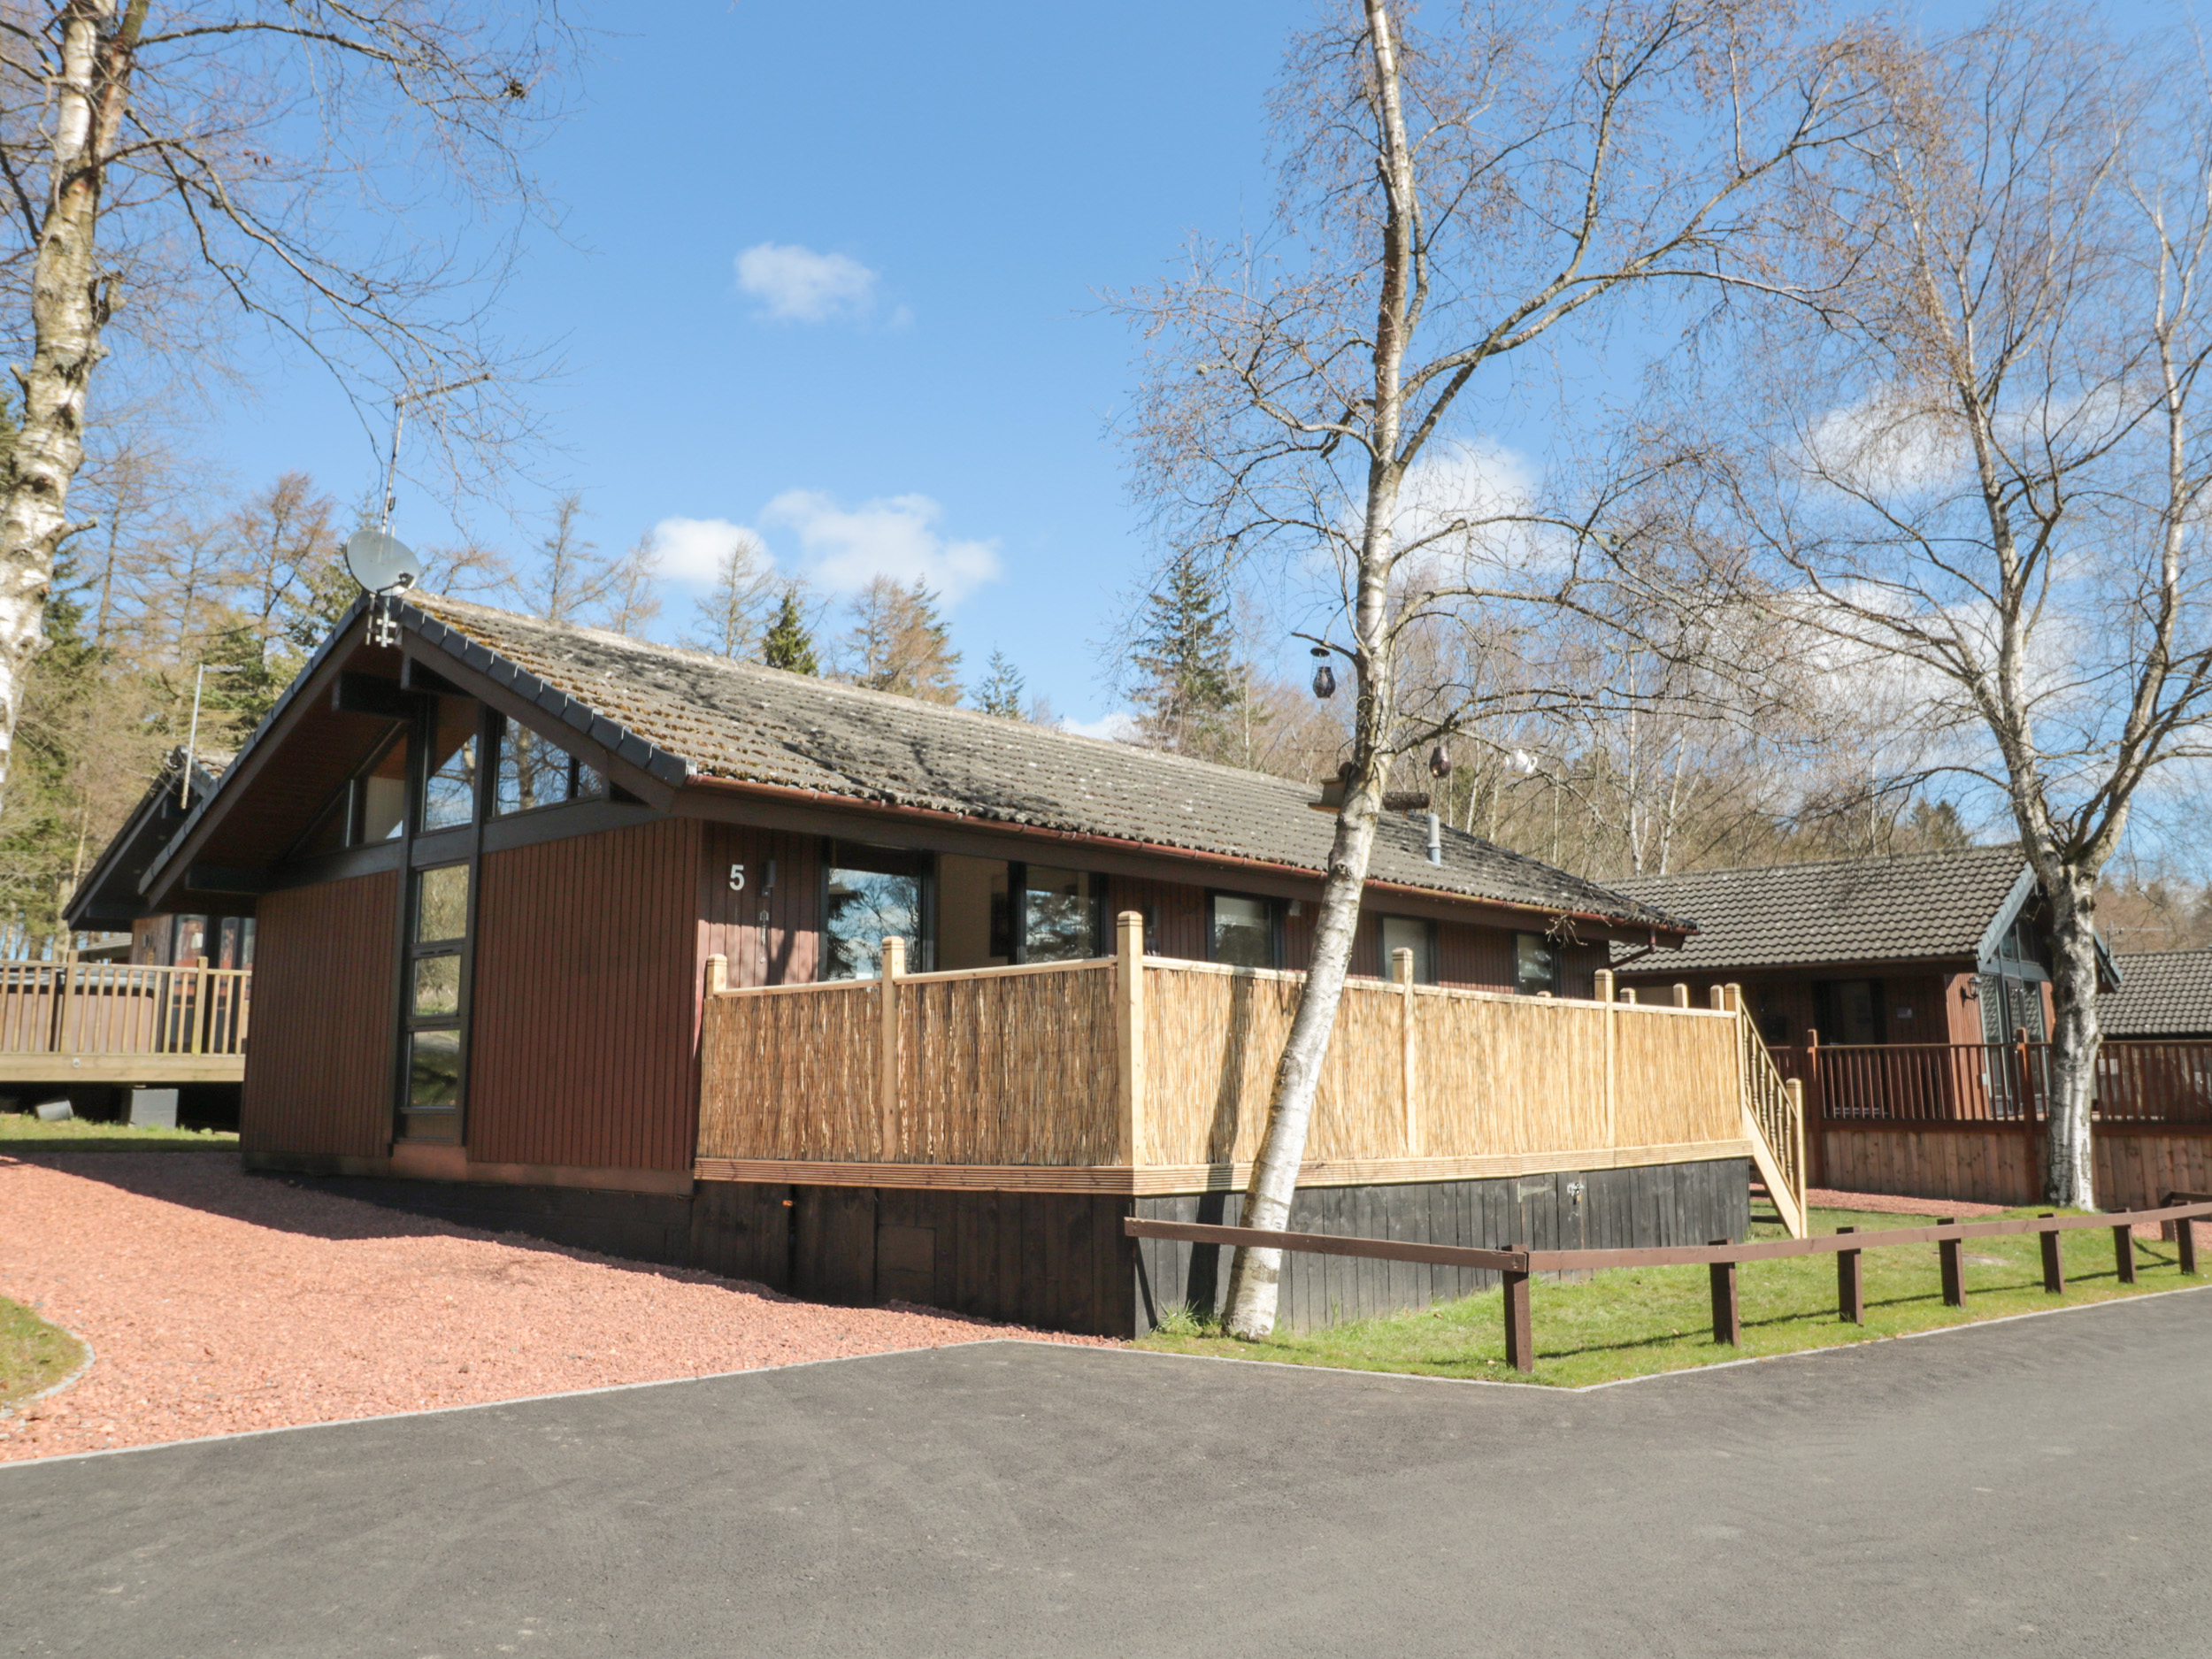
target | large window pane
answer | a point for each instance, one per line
(1244, 932)
(434, 1071)
(441, 905)
(449, 796)
(383, 797)
(875, 893)
(1060, 919)
(533, 772)
(1535, 964)
(437, 985)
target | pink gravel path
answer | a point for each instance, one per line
(215, 1301)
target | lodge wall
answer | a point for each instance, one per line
(319, 1059)
(582, 1047)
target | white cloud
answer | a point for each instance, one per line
(1120, 727)
(798, 285)
(691, 549)
(847, 548)
(1884, 446)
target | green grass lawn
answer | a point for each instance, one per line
(23, 1130)
(1633, 1322)
(33, 1354)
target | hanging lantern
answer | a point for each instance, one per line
(1324, 676)
(1440, 763)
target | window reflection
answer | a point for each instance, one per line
(449, 793)
(533, 771)
(874, 894)
(437, 984)
(1060, 915)
(1243, 932)
(1535, 964)
(442, 903)
(434, 1071)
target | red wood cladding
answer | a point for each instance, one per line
(586, 998)
(1483, 958)
(319, 1063)
(780, 950)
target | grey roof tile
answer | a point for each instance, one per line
(1915, 905)
(2161, 994)
(742, 722)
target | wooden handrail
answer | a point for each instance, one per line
(107, 1009)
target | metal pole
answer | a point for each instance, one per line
(184, 779)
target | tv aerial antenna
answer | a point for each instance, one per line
(380, 561)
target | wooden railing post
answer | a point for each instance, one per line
(717, 975)
(1796, 1089)
(887, 1049)
(1402, 974)
(199, 1003)
(1129, 1023)
(1716, 998)
(1602, 983)
(1681, 996)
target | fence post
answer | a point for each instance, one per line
(887, 1047)
(1954, 1254)
(2186, 1241)
(1681, 994)
(1402, 974)
(1850, 1284)
(2123, 1252)
(2053, 1264)
(717, 975)
(1129, 1022)
(1520, 1331)
(66, 971)
(1795, 1087)
(199, 1003)
(1601, 987)
(1727, 1318)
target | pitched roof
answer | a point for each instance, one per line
(714, 717)
(2161, 994)
(107, 894)
(1915, 905)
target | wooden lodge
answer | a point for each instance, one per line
(700, 962)
(1910, 997)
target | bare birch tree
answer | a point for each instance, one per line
(1983, 469)
(1448, 203)
(172, 168)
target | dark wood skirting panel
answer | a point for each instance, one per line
(1059, 1260)
(318, 1058)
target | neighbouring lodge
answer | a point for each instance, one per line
(701, 961)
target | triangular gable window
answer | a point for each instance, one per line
(534, 772)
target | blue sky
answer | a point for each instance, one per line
(976, 176)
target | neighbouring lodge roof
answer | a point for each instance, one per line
(107, 896)
(745, 724)
(2161, 994)
(1909, 907)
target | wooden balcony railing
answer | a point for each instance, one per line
(107, 1009)
(2007, 1083)
(1138, 1073)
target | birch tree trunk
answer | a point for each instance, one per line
(2069, 1168)
(69, 307)
(1256, 1276)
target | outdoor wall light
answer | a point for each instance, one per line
(1324, 676)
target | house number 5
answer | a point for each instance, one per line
(737, 877)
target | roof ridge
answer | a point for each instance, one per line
(1861, 862)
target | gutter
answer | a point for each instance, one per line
(1109, 843)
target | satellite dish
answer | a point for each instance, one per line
(380, 563)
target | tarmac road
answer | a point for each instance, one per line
(2031, 1487)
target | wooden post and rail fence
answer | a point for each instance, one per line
(1515, 1264)
(71, 1021)
(1137, 1074)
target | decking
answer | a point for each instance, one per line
(1138, 1075)
(71, 1023)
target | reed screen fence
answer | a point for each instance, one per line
(1158, 1073)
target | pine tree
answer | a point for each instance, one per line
(1003, 690)
(787, 644)
(745, 582)
(899, 643)
(1189, 690)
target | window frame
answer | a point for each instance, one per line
(1274, 913)
(921, 952)
(496, 748)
